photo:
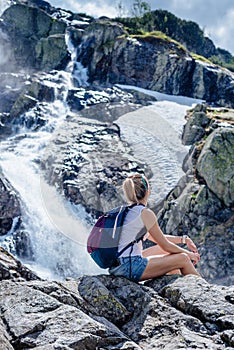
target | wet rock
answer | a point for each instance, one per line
(9, 205)
(37, 40)
(23, 245)
(105, 104)
(11, 86)
(86, 146)
(13, 269)
(39, 90)
(22, 105)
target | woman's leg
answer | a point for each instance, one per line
(160, 265)
(157, 250)
(154, 250)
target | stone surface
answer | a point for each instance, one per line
(107, 312)
(37, 41)
(13, 269)
(151, 62)
(9, 205)
(194, 129)
(215, 164)
(86, 146)
(201, 205)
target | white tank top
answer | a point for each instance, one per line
(133, 224)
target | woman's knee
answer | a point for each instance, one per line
(184, 258)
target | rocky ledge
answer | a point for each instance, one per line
(105, 312)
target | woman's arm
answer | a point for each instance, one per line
(166, 242)
(179, 240)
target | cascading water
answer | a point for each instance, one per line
(57, 230)
(4, 4)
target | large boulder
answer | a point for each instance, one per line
(36, 39)
(194, 129)
(215, 164)
(11, 87)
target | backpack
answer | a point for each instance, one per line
(103, 240)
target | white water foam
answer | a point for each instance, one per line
(4, 4)
(57, 230)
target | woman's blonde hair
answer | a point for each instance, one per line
(135, 187)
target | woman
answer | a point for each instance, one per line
(165, 257)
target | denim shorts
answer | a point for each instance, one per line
(130, 267)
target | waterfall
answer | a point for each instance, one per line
(79, 73)
(58, 230)
(4, 4)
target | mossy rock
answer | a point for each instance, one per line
(215, 164)
(52, 52)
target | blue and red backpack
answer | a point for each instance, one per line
(103, 240)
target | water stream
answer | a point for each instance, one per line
(58, 230)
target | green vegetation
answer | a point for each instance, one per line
(200, 58)
(223, 58)
(188, 33)
(157, 35)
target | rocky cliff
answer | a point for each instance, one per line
(102, 312)
(202, 203)
(152, 61)
(34, 39)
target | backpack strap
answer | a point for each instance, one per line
(131, 244)
(136, 240)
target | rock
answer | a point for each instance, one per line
(23, 245)
(13, 269)
(114, 313)
(151, 62)
(52, 322)
(201, 203)
(4, 338)
(22, 105)
(9, 205)
(39, 90)
(105, 104)
(87, 146)
(192, 299)
(48, 59)
(37, 40)
(215, 164)
(194, 129)
(103, 301)
(98, 41)
(11, 86)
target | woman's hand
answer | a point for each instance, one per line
(191, 245)
(195, 257)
